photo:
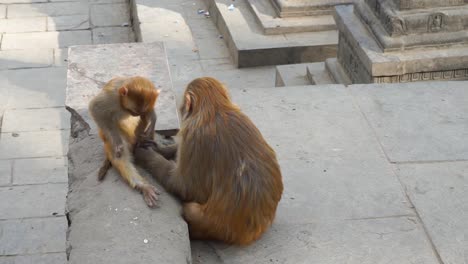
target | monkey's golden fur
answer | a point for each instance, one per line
(226, 172)
(124, 114)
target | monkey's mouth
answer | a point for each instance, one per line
(133, 113)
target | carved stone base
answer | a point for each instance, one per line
(294, 8)
(364, 61)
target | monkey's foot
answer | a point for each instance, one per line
(150, 195)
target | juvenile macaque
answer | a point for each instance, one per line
(124, 114)
(226, 173)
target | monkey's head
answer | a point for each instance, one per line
(207, 96)
(138, 95)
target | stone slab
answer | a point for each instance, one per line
(110, 14)
(90, 67)
(106, 35)
(3, 11)
(69, 22)
(323, 176)
(318, 74)
(421, 4)
(61, 57)
(30, 58)
(48, 9)
(22, 89)
(417, 122)
(5, 172)
(34, 144)
(336, 72)
(110, 221)
(291, 75)
(40, 171)
(32, 236)
(24, 120)
(50, 258)
(387, 240)
(45, 39)
(292, 8)
(33, 201)
(438, 191)
(249, 47)
(19, 25)
(272, 24)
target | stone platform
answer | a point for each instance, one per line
(87, 73)
(110, 222)
(250, 47)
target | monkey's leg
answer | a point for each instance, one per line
(106, 165)
(162, 169)
(169, 152)
(200, 227)
(131, 175)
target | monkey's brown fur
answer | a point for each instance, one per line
(124, 114)
(226, 172)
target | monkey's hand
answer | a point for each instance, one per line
(118, 150)
(147, 143)
(150, 194)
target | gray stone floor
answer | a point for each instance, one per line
(373, 174)
(35, 126)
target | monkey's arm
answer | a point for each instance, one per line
(162, 169)
(145, 128)
(169, 152)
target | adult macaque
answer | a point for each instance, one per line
(226, 173)
(124, 114)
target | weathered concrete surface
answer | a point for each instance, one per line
(439, 192)
(417, 122)
(338, 206)
(110, 221)
(90, 67)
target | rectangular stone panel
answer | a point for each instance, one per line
(419, 4)
(48, 258)
(91, 67)
(287, 8)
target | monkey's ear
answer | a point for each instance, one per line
(188, 103)
(123, 91)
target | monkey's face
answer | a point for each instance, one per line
(138, 104)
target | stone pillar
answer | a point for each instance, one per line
(383, 41)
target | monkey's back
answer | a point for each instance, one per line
(244, 185)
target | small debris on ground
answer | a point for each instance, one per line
(201, 11)
(15, 134)
(145, 241)
(124, 25)
(207, 14)
(231, 7)
(220, 36)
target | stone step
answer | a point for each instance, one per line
(302, 74)
(110, 222)
(250, 47)
(272, 24)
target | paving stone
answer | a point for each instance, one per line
(61, 57)
(105, 1)
(30, 236)
(48, 9)
(5, 172)
(22, 1)
(106, 35)
(21, 120)
(110, 14)
(387, 240)
(323, 176)
(33, 201)
(40, 170)
(24, 92)
(252, 77)
(144, 59)
(109, 220)
(45, 39)
(212, 48)
(19, 25)
(221, 64)
(419, 121)
(185, 70)
(50, 258)
(30, 58)
(34, 144)
(3, 11)
(69, 22)
(438, 191)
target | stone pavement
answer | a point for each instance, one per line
(373, 174)
(35, 125)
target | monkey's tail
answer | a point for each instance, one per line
(106, 165)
